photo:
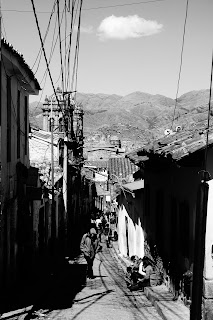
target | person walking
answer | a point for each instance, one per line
(99, 227)
(89, 246)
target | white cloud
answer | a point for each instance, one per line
(127, 27)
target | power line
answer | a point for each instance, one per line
(72, 22)
(32, 1)
(94, 8)
(60, 48)
(181, 62)
(48, 27)
(209, 113)
(123, 5)
(75, 67)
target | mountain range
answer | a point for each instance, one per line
(137, 117)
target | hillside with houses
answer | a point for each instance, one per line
(137, 118)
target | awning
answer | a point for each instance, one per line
(135, 185)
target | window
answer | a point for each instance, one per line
(18, 124)
(8, 119)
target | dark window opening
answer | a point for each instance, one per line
(18, 124)
(8, 119)
(26, 124)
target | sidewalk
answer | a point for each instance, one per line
(159, 296)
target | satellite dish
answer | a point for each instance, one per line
(167, 132)
(178, 128)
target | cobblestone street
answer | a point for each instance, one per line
(105, 297)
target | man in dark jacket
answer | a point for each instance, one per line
(89, 246)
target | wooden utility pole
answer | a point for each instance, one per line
(53, 226)
(65, 168)
(67, 138)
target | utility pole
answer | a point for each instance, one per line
(65, 172)
(52, 180)
(67, 137)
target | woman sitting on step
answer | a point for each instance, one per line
(140, 272)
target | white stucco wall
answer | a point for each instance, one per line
(139, 239)
(135, 234)
(122, 243)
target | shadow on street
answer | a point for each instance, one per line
(53, 290)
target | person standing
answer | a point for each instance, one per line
(89, 246)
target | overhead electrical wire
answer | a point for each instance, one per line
(45, 36)
(60, 48)
(95, 8)
(209, 113)
(75, 68)
(75, 65)
(181, 62)
(44, 78)
(72, 22)
(65, 37)
(123, 5)
(53, 45)
(32, 1)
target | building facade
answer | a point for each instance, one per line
(178, 221)
(17, 83)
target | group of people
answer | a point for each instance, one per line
(139, 272)
(90, 242)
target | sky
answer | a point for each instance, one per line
(125, 45)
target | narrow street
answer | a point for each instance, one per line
(71, 296)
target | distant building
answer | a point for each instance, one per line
(104, 150)
(115, 141)
(52, 107)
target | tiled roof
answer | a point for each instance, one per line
(21, 60)
(46, 136)
(121, 167)
(176, 145)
